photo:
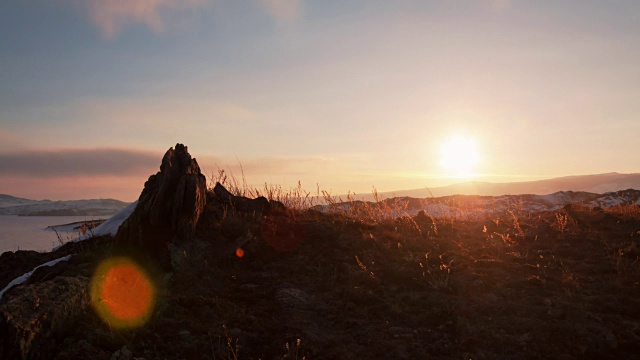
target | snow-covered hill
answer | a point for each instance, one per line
(597, 183)
(472, 206)
(10, 205)
(8, 200)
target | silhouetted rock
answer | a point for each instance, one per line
(243, 204)
(169, 206)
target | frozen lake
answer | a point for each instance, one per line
(31, 233)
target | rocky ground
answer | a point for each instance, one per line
(257, 281)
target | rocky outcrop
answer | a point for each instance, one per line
(243, 204)
(34, 318)
(14, 264)
(169, 206)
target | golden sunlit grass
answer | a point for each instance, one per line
(122, 293)
(448, 213)
(375, 211)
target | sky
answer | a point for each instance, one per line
(345, 95)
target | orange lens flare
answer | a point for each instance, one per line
(121, 293)
(239, 252)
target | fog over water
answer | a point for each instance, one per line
(31, 233)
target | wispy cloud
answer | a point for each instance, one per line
(499, 5)
(111, 15)
(8, 139)
(64, 188)
(261, 166)
(157, 109)
(78, 162)
(282, 10)
(116, 162)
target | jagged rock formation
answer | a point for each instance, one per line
(169, 206)
(35, 316)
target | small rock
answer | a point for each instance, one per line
(491, 298)
(123, 354)
(565, 357)
(611, 340)
(555, 313)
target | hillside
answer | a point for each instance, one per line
(10, 205)
(476, 206)
(229, 277)
(598, 183)
(8, 200)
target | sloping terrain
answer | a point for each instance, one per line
(596, 183)
(523, 285)
(475, 206)
(8, 200)
(94, 207)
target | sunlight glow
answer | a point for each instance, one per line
(459, 156)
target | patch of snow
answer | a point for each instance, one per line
(553, 199)
(25, 277)
(109, 227)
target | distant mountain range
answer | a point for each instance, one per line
(597, 184)
(11, 205)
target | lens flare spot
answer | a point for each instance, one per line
(122, 293)
(239, 252)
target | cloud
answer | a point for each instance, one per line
(79, 162)
(282, 10)
(8, 139)
(89, 187)
(261, 166)
(153, 110)
(111, 15)
(499, 5)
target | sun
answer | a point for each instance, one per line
(459, 156)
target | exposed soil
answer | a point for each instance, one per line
(562, 285)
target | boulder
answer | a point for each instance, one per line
(169, 206)
(15, 264)
(33, 320)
